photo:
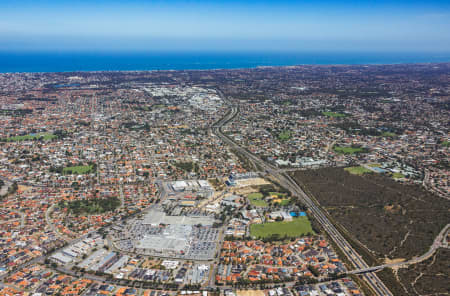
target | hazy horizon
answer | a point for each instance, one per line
(299, 26)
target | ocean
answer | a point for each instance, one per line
(114, 61)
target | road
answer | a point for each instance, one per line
(285, 180)
(427, 184)
(49, 222)
(40, 259)
(438, 243)
(22, 183)
(331, 145)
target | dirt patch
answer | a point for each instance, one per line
(392, 261)
(244, 191)
(23, 188)
(393, 209)
(252, 182)
(250, 293)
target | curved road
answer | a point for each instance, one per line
(436, 245)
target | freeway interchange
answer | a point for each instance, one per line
(285, 180)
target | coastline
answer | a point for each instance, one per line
(60, 62)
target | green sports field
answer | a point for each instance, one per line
(334, 114)
(388, 135)
(295, 228)
(78, 170)
(359, 170)
(285, 202)
(280, 195)
(257, 200)
(349, 150)
(398, 175)
(45, 136)
(284, 135)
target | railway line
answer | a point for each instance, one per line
(285, 180)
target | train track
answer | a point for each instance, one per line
(285, 180)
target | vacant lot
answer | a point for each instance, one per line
(250, 293)
(185, 166)
(78, 170)
(295, 228)
(359, 170)
(251, 182)
(257, 199)
(392, 219)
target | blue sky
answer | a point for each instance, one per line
(225, 25)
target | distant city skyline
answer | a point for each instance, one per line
(224, 26)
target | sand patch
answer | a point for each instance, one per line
(392, 261)
(23, 188)
(251, 182)
(250, 293)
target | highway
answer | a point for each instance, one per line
(285, 180)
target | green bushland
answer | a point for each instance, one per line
(30, 137)
(388, 277)
(359, 170)
(78, 170)
(429, 277)
(185, 166)
(256, 199)
(350, 150)
(386, 216)
(446, 144)
(91, 206)
(333, 114)
(295, 228)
